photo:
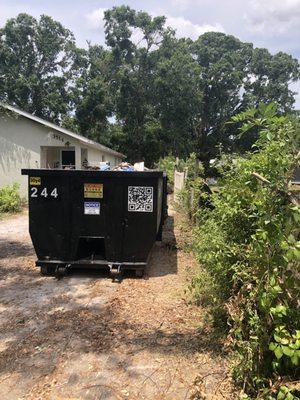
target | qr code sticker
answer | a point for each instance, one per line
(140, 198)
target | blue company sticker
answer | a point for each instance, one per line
(91, 208)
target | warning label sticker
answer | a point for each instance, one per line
(93, 191)
(34, 181)
(91, 208)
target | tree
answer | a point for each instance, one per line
(235, 76)
(91, 94)
(165, 96)
(223, 60)
(178, 96)
(36, 60)
(269, 78)
(133, 63)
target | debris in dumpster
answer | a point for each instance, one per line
(124, 166)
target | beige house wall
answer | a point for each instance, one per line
(95, 157)
(22, 145)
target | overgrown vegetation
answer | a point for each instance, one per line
(167, 164)
(249, 248)
(193, 195)
(10, 200)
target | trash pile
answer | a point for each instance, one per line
(123, 166)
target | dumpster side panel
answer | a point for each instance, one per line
(140, 228)
(114, 220)
(49, 216)
(159, 203)
(104, 221)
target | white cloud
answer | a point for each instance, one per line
(95, 19)
(137, 37)
(10, 11)
(185, 28)
(273, 17)
(181, 5)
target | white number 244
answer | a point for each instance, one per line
(44, 192)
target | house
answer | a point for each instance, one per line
(27, 141)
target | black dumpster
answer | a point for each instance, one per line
(103, 219)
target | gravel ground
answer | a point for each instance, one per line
(86, 337)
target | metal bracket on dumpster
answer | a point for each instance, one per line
(61, 270)
(115, 271)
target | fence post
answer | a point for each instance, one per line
(179, 180)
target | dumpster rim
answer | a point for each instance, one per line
(92, 173)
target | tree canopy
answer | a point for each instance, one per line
(37, 65)
(147, 93)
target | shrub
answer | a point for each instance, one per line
(10, 200)
(249, 245)
(196, 192)
(167, 164)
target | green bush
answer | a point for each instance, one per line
(191, 165)
(195, 191)
(10, 200)
(249, 245)
(167, 164)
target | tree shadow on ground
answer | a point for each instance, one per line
(39, 341)
(98, 333)
(163, 258)
(14, 249)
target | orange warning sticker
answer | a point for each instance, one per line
(93, 190)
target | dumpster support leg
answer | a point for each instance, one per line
(115, 272)
(61, 270)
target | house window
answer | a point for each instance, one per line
(103, 158)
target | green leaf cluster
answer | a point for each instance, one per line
(10, 200)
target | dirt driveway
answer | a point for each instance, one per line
(85, 337)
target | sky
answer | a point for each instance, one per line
(273, 24)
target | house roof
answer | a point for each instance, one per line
(80, 138)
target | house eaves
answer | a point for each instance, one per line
(73, 135)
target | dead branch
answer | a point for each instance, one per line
(260, 178)
(292, 198)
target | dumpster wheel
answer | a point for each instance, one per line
(115, 272)
(139, 273)
(60, 271)
(47, 270)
